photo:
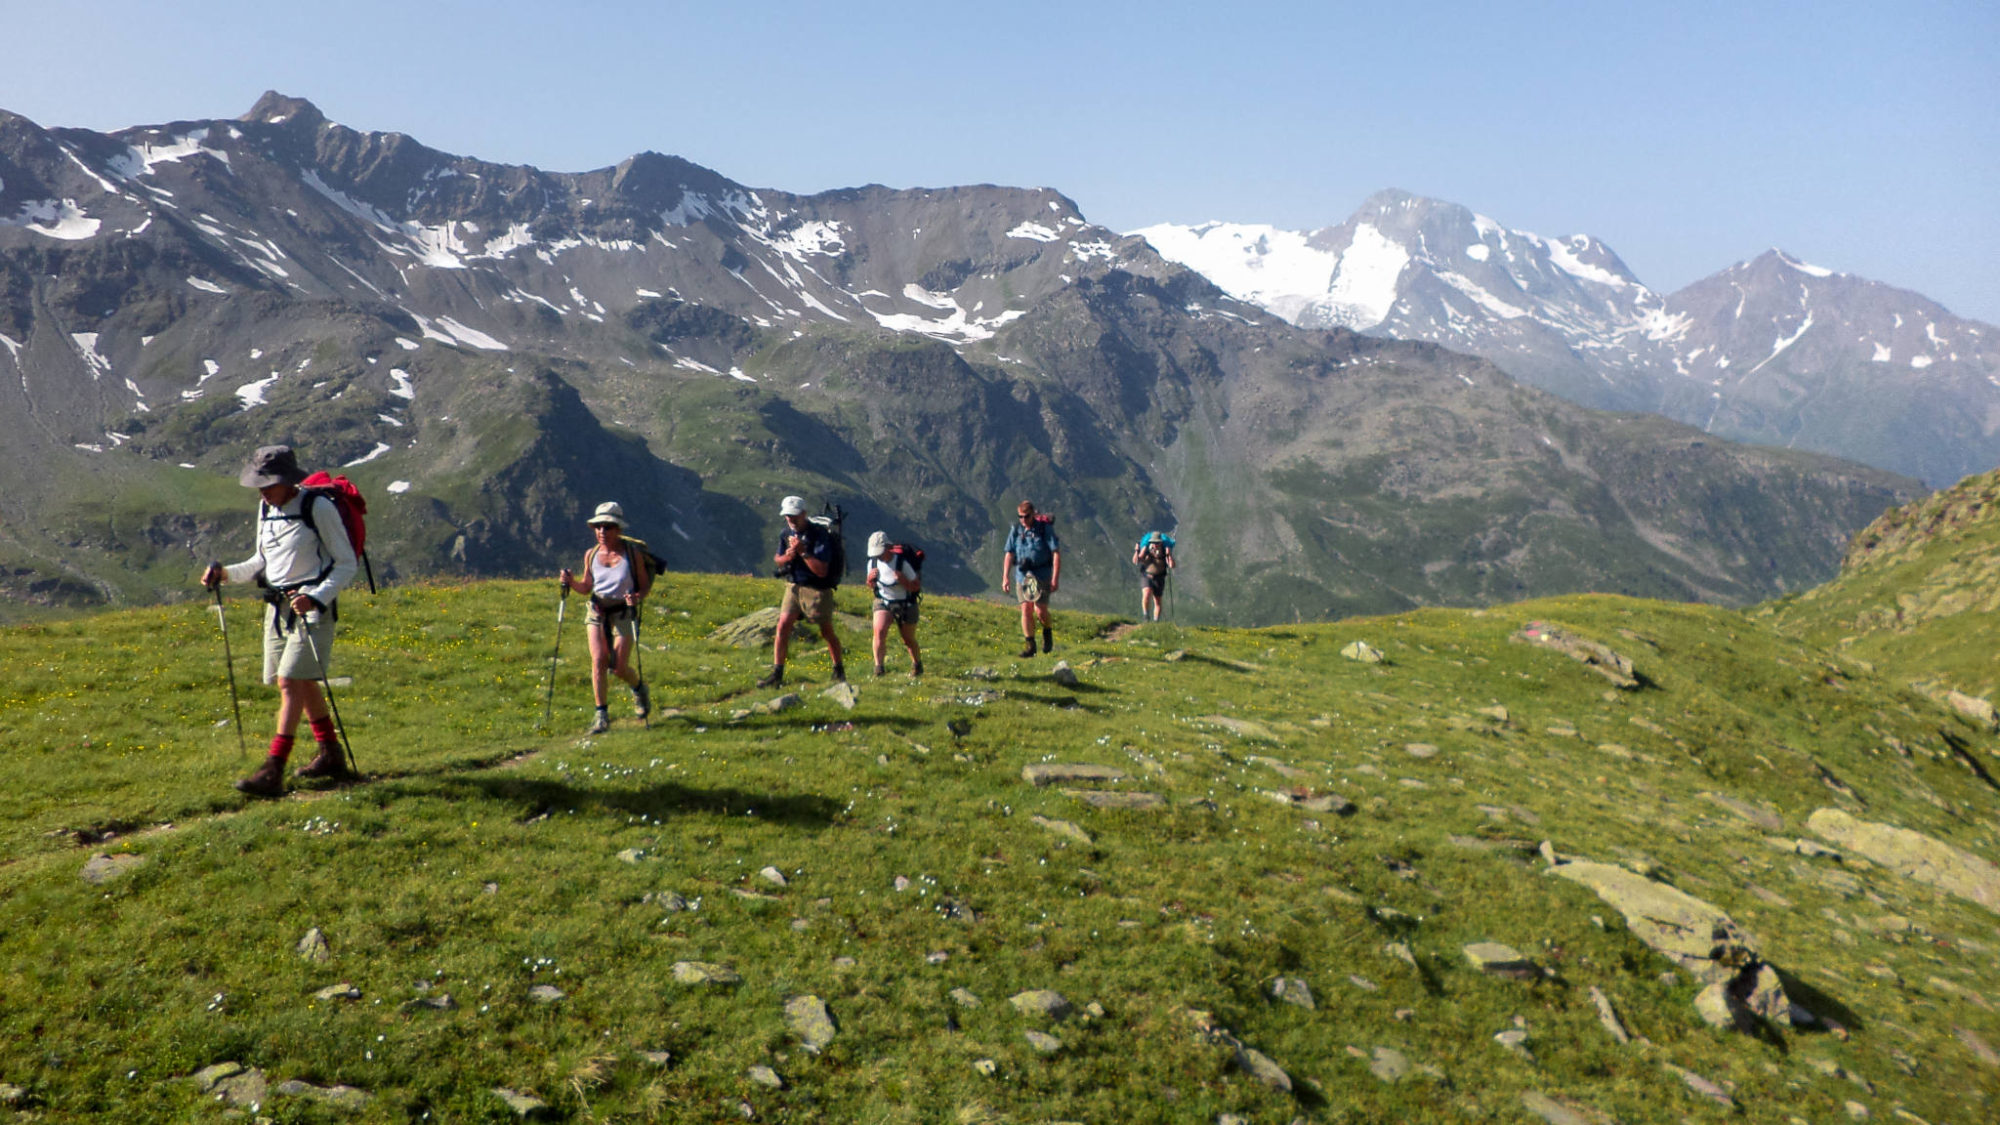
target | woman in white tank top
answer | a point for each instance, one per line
(616, 588)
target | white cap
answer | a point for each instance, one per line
(878, 545)
(792, 506)
(608, 513)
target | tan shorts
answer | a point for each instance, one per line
(812, 604)
(624, 625)
(286, 654)
(1031, 590)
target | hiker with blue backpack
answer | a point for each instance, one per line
(895, 573)
(304, 556)
(1032, 566)
(617, 574)
(1154, 556)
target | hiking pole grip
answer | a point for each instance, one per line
(308, 620)
(229, 664)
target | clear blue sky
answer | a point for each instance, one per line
(1688, 135)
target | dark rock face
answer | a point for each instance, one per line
(490, 350)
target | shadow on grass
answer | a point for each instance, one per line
(534, 797)
(1819, 1004)
(1216, 662)
(1062, 702)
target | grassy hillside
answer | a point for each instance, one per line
(1918, 591)
(925, 882)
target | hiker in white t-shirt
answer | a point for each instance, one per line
(896, 584)
(617, 581)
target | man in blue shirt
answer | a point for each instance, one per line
(1033, 566)
(805, 561)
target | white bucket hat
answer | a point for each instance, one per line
(608, 513)
(878, 545)
(792, 506)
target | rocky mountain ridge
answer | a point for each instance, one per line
(1772, 350)
(489, 350)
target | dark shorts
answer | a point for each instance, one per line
(1154, 583)
(903, 611)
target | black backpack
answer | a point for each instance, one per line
(828, 522)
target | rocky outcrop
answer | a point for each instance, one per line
(1913, 855)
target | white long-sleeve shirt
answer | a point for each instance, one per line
(289, 552)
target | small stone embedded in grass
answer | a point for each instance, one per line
(1607, 1016)
(1063, 674)
(1176, 656)
(1702, 1086)
(1496, 712)
(313, 947)
(784, 702)
(1759, 816)
(439, 1003)
(1561, 1111)
(1499, 960)
(1042, 1041)
(339, 1097)
(668, 901)
(704, 972)
(1389, 1064)
(632, 855)
(341, 991)
(1259, 1066)
(545, 994)
(1363, 983)
(964, 997)
(844, 694)
(1062, 828)
(1292, 990)
(100, 868)
(765, 1076)
(1514, 1039)
(772, 876)
(1401, 953)
(523, 1105)
(1241, 728)
(1099, 798)
(810, 1021)
(1041, 774)
(657, 1058)
(986, 1067)
(206, 1078)
(1282, 769)
(1420, 750)
(1044, 1002)
(1363, 652)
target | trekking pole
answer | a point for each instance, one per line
(229, 662)
(305, 626)
(639, 658)
(549, 702)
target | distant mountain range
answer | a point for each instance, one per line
(1773, 350)
(489, 350)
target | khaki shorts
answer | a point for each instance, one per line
(623, 625)
(286, 654)
(812, 604)
(1031, 590)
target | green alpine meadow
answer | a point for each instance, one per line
(1577, 859)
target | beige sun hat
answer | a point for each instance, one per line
(608, 513)
(792, 506)
(878, 545)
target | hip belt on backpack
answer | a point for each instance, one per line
(280, 598)
(609, 609)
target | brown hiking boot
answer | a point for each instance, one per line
(268, 781)
(776, 678)
(328, 763)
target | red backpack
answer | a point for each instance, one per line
(353, 509)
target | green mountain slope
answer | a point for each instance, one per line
(1919, 592)
(1320, 826)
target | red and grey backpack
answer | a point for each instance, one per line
(353, 509)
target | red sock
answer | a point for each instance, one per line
(324, 730)
(281, 746)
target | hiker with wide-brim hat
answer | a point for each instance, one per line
(896, 584)
(303, 559)
(1032, 565)
(805, 561)
(617, 583)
